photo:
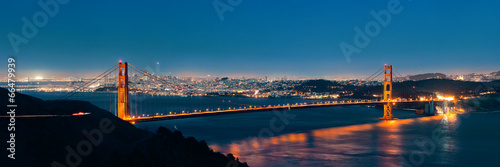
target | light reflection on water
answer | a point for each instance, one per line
(379, 143)
(304, 142)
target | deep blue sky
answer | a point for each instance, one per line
(259, 37)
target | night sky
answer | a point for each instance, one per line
(256, 38)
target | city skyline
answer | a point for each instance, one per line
(254, 39)
(197, 76)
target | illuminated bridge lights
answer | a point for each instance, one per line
(174, 115)
(388, 101)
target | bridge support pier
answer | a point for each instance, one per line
(387, 93)
(387, 112)
(123, 107)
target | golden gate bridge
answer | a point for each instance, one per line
(123, 105)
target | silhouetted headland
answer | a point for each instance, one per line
(96, 139)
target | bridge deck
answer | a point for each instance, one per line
(269, 108)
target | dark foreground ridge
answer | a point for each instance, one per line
(94, 140)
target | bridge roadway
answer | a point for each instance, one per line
(268, 108)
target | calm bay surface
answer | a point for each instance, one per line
(334, 136)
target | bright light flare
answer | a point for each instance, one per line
(447, 98)
(80, 113)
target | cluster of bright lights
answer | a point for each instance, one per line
(447, 98)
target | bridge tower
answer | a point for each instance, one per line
(387, 92)
(123, 107)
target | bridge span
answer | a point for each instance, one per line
(270, 108)
(123, 106)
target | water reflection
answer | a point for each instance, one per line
(382, 142)
(338, 131)
(388, 138)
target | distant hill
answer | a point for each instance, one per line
(446, 86)
(496, 73)
(50, 141)
(420, 77)
(320, 85)
(406, 89)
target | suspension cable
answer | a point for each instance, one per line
(404, 82)
(90, 83)
(377, 75)
(374, 74)
(153, 76)
(170, 84)
(71, 93)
